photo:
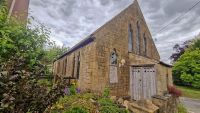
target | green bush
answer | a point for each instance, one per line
(188, 78)
(108, 106)
(196, 82)
(72, 90)
(106, 102)
(106, 92)
(112, 109)
(45, 82)
(77, 110)
(66, 103)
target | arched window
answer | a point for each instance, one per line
(138, 38)
(130, 39)
(113, 57)
(113, 67)
(145, 44)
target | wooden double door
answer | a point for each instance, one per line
(142, 82)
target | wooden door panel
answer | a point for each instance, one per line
(142, 82)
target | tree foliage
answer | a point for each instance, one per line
(53, 52)
(179, 50)
(21, 54)
(187, 69)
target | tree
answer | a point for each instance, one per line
(53, 52)
(21, 54)
(187, 69)
(186, 63)
(195, 43)
(179, 50)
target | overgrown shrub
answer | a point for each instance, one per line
(67, 103)
(174, 91)
(45, 83)
(87, 103)
(77, 110)
(22, 94)
(107, 105)
(21, 52)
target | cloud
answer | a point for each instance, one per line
(72, 20)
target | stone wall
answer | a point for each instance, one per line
(164, 78)
(166, 104)
(67, 66)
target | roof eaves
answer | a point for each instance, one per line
(165, 64)
(81, 44)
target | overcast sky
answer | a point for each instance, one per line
(72, 20)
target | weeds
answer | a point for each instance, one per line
(181, 108)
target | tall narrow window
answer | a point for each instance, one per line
(65, 67)
(113, 67)
(73, 65)
(138, 38)
(58, 68)
(145, 44)
(130, 39)
(78, 66)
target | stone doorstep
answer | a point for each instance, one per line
(145, 106)
(140, 109)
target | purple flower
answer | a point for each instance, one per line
(66, 91)
(78, 90)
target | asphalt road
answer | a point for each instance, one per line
(192, 105)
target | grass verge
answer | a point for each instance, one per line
(189, 92)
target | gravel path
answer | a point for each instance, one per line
(192, 105)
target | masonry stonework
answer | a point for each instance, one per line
(94, 54)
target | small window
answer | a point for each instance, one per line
(138, 38)
(130, 39)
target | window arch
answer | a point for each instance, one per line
(130, 39)
(138, 38)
